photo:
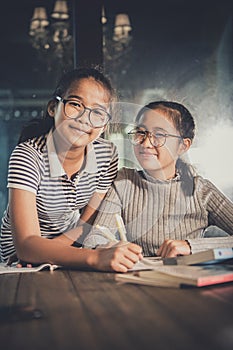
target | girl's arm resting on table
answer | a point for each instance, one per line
(31, 247)
(26, 229)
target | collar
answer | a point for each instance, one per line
(56, 169)
(154, 180)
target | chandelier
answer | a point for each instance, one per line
(117, 44)
(51, 38)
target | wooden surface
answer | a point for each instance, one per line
(89, 310)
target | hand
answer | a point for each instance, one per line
(14, 259)
(120, 257)
(171, 248)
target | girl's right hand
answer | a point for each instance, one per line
(119, 258)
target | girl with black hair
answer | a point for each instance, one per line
(166, 206)
(58, 175)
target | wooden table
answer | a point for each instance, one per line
(90, 310)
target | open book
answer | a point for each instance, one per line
(178, 275)
(4, 268)
(148, 263)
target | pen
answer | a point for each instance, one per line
(106, 233)
(121, 227)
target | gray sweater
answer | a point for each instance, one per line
(155, 210)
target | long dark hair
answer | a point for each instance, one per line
(39, 126)
(184, 123)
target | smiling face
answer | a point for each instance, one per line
(159, 162)
(78, 132)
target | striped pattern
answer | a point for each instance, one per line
(158, 210)
(58, 199)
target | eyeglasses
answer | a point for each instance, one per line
(73, 109)
(157, 139)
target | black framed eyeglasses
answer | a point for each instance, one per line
(157, 139)
(98, 117)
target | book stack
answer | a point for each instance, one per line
(205, 268)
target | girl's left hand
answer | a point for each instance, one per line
(171, 248)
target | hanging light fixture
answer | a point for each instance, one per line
(122, 28)
(116, 44)
(50, 37)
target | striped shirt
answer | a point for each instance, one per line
(155, 210)
(34, 166)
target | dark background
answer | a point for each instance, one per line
(181, 50)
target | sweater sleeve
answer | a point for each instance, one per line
(220, 214)
(220, 209)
